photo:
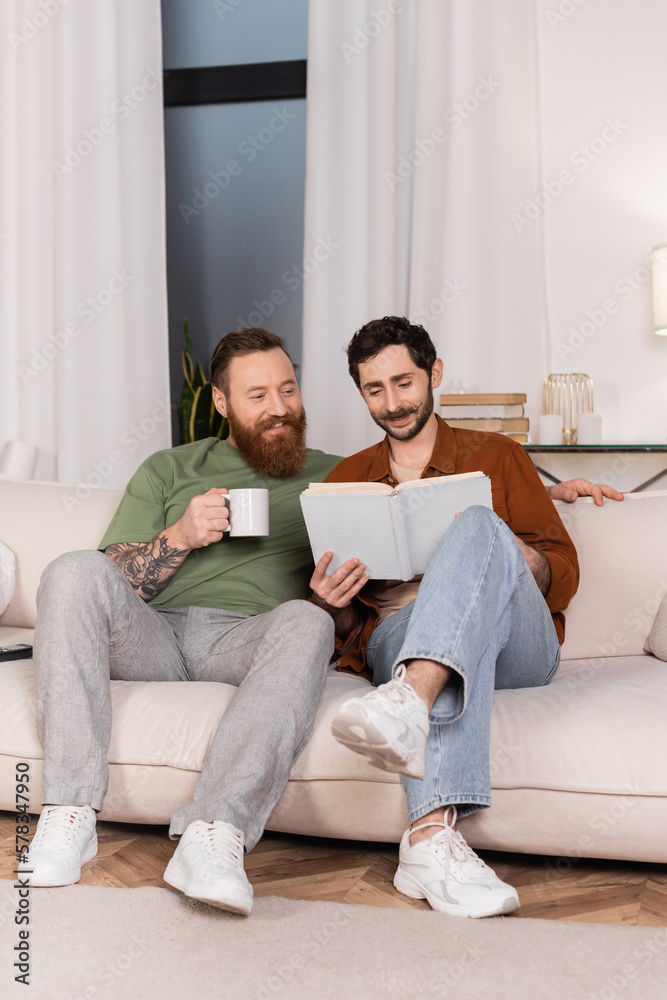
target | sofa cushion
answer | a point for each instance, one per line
(622, 549)
(40, 521)
(657, 639)
(568, 772)
(579, 733)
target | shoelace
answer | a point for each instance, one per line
(222, 843)
(57, 827)
(397, 690)
(450, 844)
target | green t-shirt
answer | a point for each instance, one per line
(249, 575)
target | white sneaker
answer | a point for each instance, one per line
(389, 726)
(64, 840)
(208, 865)
(447, 872)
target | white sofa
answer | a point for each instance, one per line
(579, 768)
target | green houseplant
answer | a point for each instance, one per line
(197, 416)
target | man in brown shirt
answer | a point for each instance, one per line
(487, 613)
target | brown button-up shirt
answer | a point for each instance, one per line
(519, 498)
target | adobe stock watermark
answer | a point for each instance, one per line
(629, 972)
(224, 7)
(92, 138)
(596, 319)
(364, 34)
(641, 617)
(647, 951)
(106, 976)
(569, 513)
(603, 822)
(22, 917)
(566, 8)
(249, 149)
(31, 26)
(581, 158)
(292, 279)
(451, 290)
(130, 440)
(173, 753)
(502, 754)
(311, 946)
(87, 310)
(455, 116)
(409, 984)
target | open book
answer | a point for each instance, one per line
(393, 530)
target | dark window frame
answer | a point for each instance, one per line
(268, 81)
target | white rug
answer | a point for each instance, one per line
(140, 944)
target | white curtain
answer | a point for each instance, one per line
(422, 150)
(83, 324)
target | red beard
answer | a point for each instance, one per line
(276, 458)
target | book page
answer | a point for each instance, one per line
(374, 488)
(353, 488)
(437, 479)
(426, 514)
(352, 526)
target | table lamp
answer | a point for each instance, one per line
(568, 394)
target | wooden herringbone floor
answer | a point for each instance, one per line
(609, 892)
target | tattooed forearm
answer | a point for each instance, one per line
(149, 566)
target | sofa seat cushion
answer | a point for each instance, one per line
(598, 726)
(165, 724)
(583, 758)
(579, 733)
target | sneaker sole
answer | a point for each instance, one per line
(69, 877)
(236, 902)
(409, 886)
(387, 755)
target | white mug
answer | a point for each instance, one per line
(248, 513)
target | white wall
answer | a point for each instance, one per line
(598, 81)
(600, 60)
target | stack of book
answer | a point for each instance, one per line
(500, 412)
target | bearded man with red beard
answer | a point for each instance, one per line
(170, 596)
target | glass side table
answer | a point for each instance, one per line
(592, 449)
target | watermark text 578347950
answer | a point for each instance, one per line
(21, 949)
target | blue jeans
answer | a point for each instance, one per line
(479, 611)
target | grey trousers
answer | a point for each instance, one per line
(93, 628)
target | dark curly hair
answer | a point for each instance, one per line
(386, 332)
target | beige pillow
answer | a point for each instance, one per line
(657, 639)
